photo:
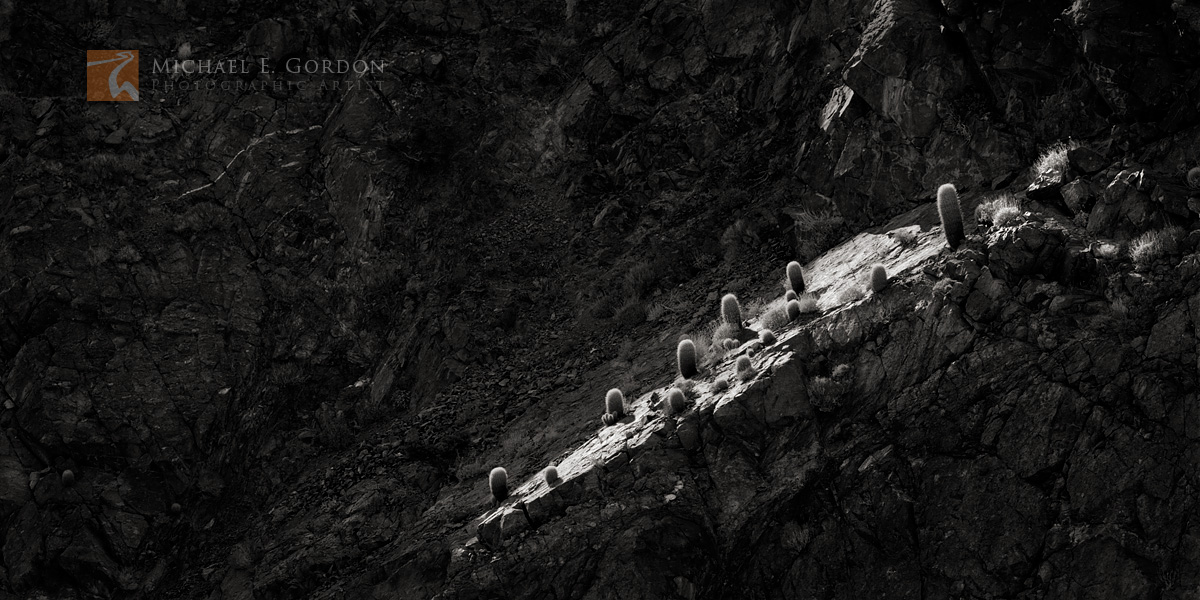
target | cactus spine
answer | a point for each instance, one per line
(951, 213)
(686, 356)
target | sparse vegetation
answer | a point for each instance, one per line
(879, 278)
(987, 210)
(795, 277)
(614, 403)
(1006, 216)
(498, 483)
(817, 230)
(1152, 245)
(853, 293)
(951, 214)
(906, 237)
(767, 337)
(685, 355)
(731, 311)
(745, 369)
(720, 384)
(1054, 158)
(776, 317)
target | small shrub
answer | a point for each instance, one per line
(720, 384)
(68, 478)
(731, 311)
(776, 317)
(1193, 178)
(851, 294)
(790, 295)
(1153, 245)
(767, 337)
(1006, 216)
(685, 355)
(498, 482)
(879, 278)
(986, 211)
(951, 214)
(905, 237)
(614, 403)
(1054, 158)
(676, 402)
(793, 310)
(795, 277)
(640, 280)
(550, 474)
(808, 304)
(631, 314)
(745, 370)
(841, 371)
(725, 331)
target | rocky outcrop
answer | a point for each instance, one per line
(274, 332)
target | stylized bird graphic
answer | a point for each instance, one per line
(115, 90)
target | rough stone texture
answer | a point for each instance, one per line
(278, 334)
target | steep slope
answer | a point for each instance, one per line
(278, 332)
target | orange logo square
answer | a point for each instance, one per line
(112, 75)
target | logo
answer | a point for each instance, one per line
(112, 75)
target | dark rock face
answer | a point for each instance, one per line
(209, 296)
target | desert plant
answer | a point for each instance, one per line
(767, 337)
(731, 310)
(790, 295)
(68, 478)
(720, 384)
(987, 210)
(1005, 216)
(685, 355)
(498, 482)
(730, 343)
(608, 419)
(176, 508)
(808, 304)
(775, 317)
(676, 402)
(905, 237)
(795, 277)
(853, 293)
(793, 310)
(550, 474)
(951, 213)
(745, 370)
(879, 278)
(614, 403)
(1054, 159)
(1193, 178)
(1149, 246)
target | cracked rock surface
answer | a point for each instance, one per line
(267, 341)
